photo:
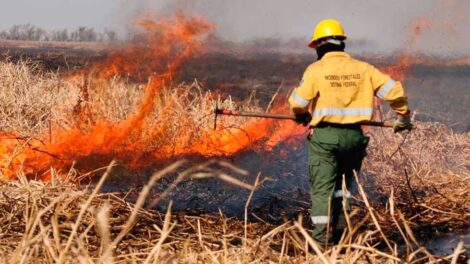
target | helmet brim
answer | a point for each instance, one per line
(314, 42)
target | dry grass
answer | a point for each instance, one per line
(29, 101)
(51, 45)
(33, 102)
(62, 223)
(416, 187)
(45, 112)
(428, 171)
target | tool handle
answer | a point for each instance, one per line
(388, 123)
(253, 114)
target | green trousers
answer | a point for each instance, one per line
(334, 153)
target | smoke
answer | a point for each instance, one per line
(383, 25)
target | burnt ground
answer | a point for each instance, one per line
(283, 194)
(56, 59)
(437, 93)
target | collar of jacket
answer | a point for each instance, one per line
(334, 54)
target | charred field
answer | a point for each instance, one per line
(109, 155)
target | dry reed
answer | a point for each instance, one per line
(59, 222)
(416, 187)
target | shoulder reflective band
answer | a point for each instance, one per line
(367, 111)
(339, 194)
(385, 89)
(299, 100)
(322, 219)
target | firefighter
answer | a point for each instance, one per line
(340, 90)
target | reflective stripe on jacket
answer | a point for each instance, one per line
(342, 90)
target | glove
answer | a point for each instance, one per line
(303, 118)
(403, 122)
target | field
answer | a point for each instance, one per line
(110, 155)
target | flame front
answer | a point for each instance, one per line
(142, 138)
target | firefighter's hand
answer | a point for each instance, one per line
(402, 123)
(303, 118)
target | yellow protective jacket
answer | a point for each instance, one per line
(342, 90)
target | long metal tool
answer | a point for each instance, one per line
(219, 111)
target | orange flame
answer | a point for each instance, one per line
(154, 51)
(162, 50)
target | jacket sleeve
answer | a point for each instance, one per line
(389, 90)
(303, 94)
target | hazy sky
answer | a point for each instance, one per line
(444, 23)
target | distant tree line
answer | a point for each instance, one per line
(81, 34)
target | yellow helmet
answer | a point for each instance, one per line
(327, 28)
